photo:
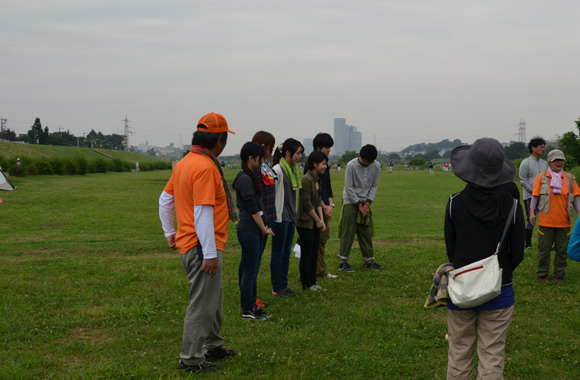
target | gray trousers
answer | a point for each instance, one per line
(203, 318)
(350, 228)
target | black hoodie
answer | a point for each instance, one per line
(474, 222)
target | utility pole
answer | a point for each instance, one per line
(127, 132)
(2, 126)
(522, 131)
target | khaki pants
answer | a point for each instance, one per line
(490, 328)
(349, 229)
(321, 268)
(203, 318)
(548, 236)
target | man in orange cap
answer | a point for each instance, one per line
(199, 195)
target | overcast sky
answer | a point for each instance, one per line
(403, 71)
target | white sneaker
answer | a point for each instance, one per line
(330, 275)
(314, 288)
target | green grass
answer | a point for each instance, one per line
(45, 151)
(90, 290)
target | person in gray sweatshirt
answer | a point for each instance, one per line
(361, 181)
(529, 170)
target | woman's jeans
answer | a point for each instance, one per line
(251, 243)
(281, 249)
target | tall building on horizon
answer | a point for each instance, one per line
(307, 142)
(346, 137)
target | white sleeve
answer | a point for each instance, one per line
(203, 222)
(166, 213)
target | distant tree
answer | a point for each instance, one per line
(417, 162)
(446, 154)
(37, 134)
(570, 145)
(394, 157)
(516, 151)
(9, 134)
(347, 156)
(432, 154)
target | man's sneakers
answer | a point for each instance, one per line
(201, 367)
(346, 267)
(372, 265)
(315, 288)
(256, 314)
(330, 275)
(219, 354)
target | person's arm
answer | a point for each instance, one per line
(166, 214)
(349, 187)
(574, 244)
(375, 185)
(517, 239)
(526, 180)
(449, 232)
(535, 198)
(204, 227)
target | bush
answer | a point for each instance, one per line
(100, 165)
(92, 167)
(82, 165)
(43, 168)
(575, 171)
(116, 165)
(70, 167)
(127, 166)
(57, 165)
(17, 171)
(417, 162)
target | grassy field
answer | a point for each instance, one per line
(90, 290)
(39, 151)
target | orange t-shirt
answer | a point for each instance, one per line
(195, 182)
(557, 215)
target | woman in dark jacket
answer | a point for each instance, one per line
(474, 222)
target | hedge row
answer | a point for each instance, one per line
(73, 166)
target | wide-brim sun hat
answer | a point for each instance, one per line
(483, 164)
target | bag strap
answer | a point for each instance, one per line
(507, 225)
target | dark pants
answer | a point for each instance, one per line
(548, 237)
(281, 249)
(251, 243)
(309, 241)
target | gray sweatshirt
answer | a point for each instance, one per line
(529, 170)
(360, 182)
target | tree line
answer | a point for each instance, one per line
(37, 134)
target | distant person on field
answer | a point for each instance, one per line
(529, 170)
(391, 167)
(18, 162)
(199, 195)
(474, 223)
(361, 182)
(338, 169)
(556, 195)
(430, 168)
(324, 142)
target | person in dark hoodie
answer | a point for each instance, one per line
(251, 228)
(474, 223)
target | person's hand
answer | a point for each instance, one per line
(366, 209)
(171, 242)
(328, 211)
(209, 266)
(320, 224)
(533, 217)
(267, 231)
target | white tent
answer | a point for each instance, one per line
(5, 184)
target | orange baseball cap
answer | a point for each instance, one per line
(213, 123)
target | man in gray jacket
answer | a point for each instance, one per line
(361, 181)
(529, 170)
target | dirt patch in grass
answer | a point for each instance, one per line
(86, 335)
(437, 316)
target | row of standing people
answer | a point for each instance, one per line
(278, 200)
